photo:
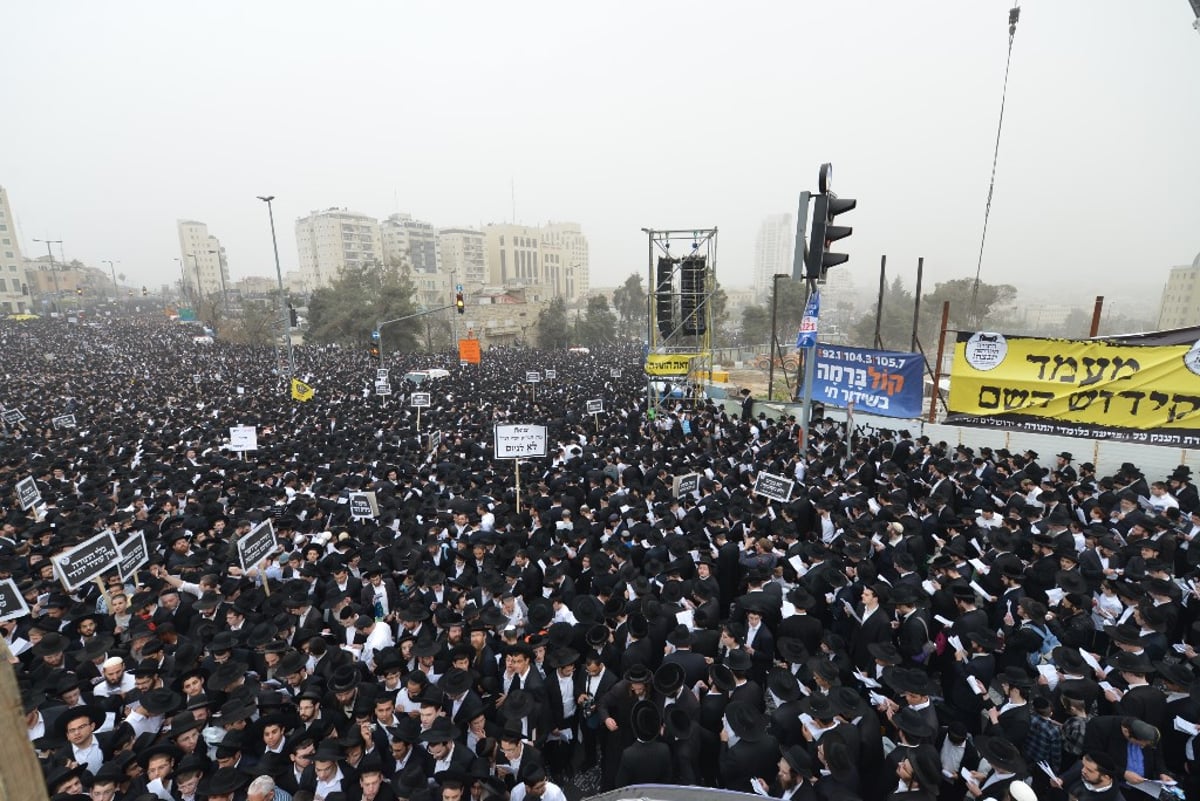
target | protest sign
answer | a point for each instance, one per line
(87, 560)
(520, 442)
(134, 554)
(777, 488)
(257, 545)
(12, 603)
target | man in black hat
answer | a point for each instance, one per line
(77, 726)
(616, 712)
(679, 651)
(1006, 766)
(1093, 778)
(648, 759)
(919, 774)
(747, 750)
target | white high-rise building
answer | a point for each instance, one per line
(462, 253)
(409, 242)
(332, 240)
(773, 249)
(1180, 305)
(205, 269)
(552, 260)
(14, 294)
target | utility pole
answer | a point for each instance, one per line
(284, 317)
(221, 272)
(774, 337)
(53, 272)
(113, 270)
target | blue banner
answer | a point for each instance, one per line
(806, 337)
(877, 381)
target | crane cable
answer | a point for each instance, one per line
(1014, 14)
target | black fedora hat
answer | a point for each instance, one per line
(344, 678)
(668, 679)
(221, 782)
(926, 766)
(680, 636)
(783, 684)
(679, 723)
(792, 650)
(160, 701)
(226, 674)
(1000, 754)
(915, 681)
(1127, 662)
(184, 722)
(442, 731)
(722, 677)
(518, 704)
(738, 660)
(820, 706)
(848, 702)
(646, 721)
(912, 723)
(455, 681)
(639, 674)
(885, 652)
(68, 716)
(746, 721)
(798, 759)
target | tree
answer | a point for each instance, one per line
(719, 303)
(896, 327)
(553, 333)
(257, 325)
(598, 325)
(756, 326)
(990, 298)
(347, 311)
(629, 302)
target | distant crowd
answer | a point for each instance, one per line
(911, 621)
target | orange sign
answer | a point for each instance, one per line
(468, 351)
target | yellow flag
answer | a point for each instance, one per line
(301, 391)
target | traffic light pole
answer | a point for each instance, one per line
(379, 326)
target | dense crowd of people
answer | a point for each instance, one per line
(917, 621)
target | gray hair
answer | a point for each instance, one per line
(263, 785)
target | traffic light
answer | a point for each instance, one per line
(827, 206)
(79, 291)
(145, 292)
(459, 304)
(374, 350)
(292, 316)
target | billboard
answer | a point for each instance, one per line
(880, 382)
(1104, 389)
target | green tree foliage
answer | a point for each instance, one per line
(756, 326)
(990, 299)
(258, 324)
(629, 302)
(720, 308)
(346, 311)
(896, 326)
(598, 326)
(553, 332)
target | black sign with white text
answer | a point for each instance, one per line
(87, 560)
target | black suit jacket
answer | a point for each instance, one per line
(645, 763)
(746, 760)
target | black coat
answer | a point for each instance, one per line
(747, 760)
(645, 763)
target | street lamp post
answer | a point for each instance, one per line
(183, 284)
(221, 272)
(774, 338)
(284, 318)
(113, 270)
(53, 274)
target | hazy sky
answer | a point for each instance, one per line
(122, 117)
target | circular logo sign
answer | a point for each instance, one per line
(985, 350)
(1191, 359)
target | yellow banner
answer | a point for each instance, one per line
(671, 363)
(301, 391)
(1143, 393)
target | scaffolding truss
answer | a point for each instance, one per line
(682, 272)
